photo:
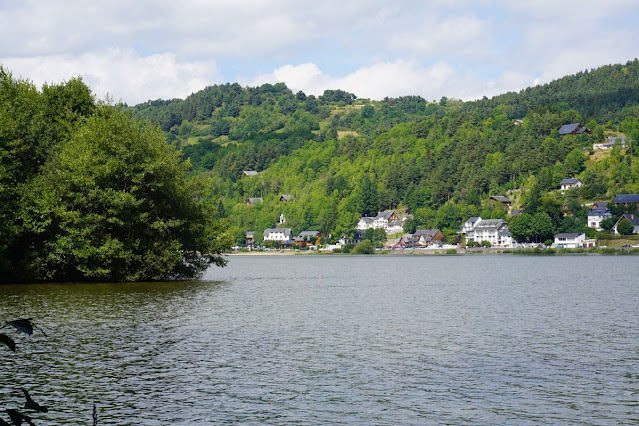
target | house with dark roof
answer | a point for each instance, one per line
(365, 222)
(311, 238)
(573, 129)
(382, 220)
(516, 212)
(505, 201)
(627, 199)
(282, 235)
(570, 183)
(254, 201)
(596, 215)
(494, 231)
(632, 218)
(469, 225)
(427, 237)
(394, 227)
(569, 240)
(250, 238)
(613, 141)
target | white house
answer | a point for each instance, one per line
(384, 218)
(494, 231)
(282, 235)
(596, 215)
(469, 225)
(381, 221)
(632, 219)
(612, 141)
(570, 183)
(428, 237)
(365, 223)
(394, 227)
(569, 240)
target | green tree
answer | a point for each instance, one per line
(607, 224)
(625, 227)
(574, 162)
(541, 227)
(364, 247)
(113, 203)
(520, 227)
(368, 204)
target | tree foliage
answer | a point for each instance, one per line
(101, 195)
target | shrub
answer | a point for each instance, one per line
(337, 250)
(472, 244)
(346, 248)
(486, 244)
(451, 251)
(365, 247)
(625, 227)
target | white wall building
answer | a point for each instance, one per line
(596, 215)
(567, 184)
(278, 234)
(569, 240)
(494, 231)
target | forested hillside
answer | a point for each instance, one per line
(342, 157)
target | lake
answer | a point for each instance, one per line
(384, 340)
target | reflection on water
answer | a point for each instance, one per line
(338, 340)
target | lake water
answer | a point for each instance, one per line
(384, 340)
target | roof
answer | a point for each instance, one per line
(516, 212)
(395, 223)
(600, 203)
(599, 211)
(569, 181)
(287, 231)
(569, 235)
(255, 200)
(626, 198)
(501, 198)
(634, 219)
(308, 234)
(567, 129)
(473, 219)
(617, 139)
(286, 197)
(384, 215)
(367, 219)
(250, 233)
(249, 173)
(490, 224)
(427, 234)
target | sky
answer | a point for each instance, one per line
(136, 50)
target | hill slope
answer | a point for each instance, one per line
(342, 157)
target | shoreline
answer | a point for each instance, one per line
(455, 252)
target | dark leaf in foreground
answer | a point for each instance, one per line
(3, 423)
(31, 404)
(17, 417)
(25, 325)
(9, 342)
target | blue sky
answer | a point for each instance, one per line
(149, 49)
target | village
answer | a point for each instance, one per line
(474, 232)
(386, 230)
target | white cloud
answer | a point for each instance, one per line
(459, 34)
(120, 73)
(385, 79)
